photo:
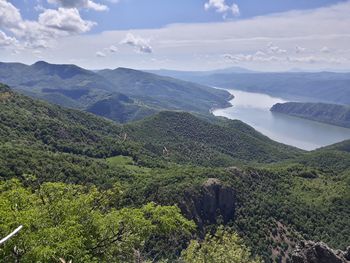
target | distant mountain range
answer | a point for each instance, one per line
(327, 87)
(122, 94)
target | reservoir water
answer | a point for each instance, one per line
(254, 109)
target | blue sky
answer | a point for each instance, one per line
(181, 34)
(137, 14)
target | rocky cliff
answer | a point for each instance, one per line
(213, 203)
(311, 252)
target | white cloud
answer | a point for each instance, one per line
(51, 24)
(141, 44)
(89, 4)
(325, 50)
(299, 49)
(260, 53)
(6, 40)
(113, 49)
(100, 54)
(10, 16)
(63, 19)
(273, 49)
(309, 59)
(220, 6)
(39, 8)
(257, 57)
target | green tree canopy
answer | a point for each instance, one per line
(80, 223)
(223, 247)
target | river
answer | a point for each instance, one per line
(254, 109)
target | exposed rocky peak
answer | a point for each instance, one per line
(311, 252)
(213, 203)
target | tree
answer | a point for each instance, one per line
(81, 224)
(223, 247)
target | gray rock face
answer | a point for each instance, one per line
(311, 252)
(215, 203)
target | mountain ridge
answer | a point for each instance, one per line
(71, 86)
(322, 112)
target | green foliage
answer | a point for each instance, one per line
(225, 247)
(187, 138)
(121, 109)
(163, 159)
(166, 93)
(121, 95)
(322, 112)
(79, 223)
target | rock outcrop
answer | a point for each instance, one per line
(214, 203)
(311, 252)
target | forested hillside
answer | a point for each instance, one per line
(328, 113)
(155, 90)
(89, 190)
(189, 138)
(121, 95)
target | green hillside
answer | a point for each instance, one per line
(185, 137)
(90, 190)
(121, 95)
(121, 108)
(328, 113)
(164, 92)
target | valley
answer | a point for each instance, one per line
(162, 131)
(47, 150)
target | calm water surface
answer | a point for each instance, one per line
(254, 109)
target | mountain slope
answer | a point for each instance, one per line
(165, 92)
(322, 112)
(120, 108)
(186, 137)
(32, 122)
(75, 87)
(78, 86)
(189, 138)
(272, 207)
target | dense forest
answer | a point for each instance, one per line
(322, 112)
(122, 94)
(89, 190)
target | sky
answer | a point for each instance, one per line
(269, 35)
